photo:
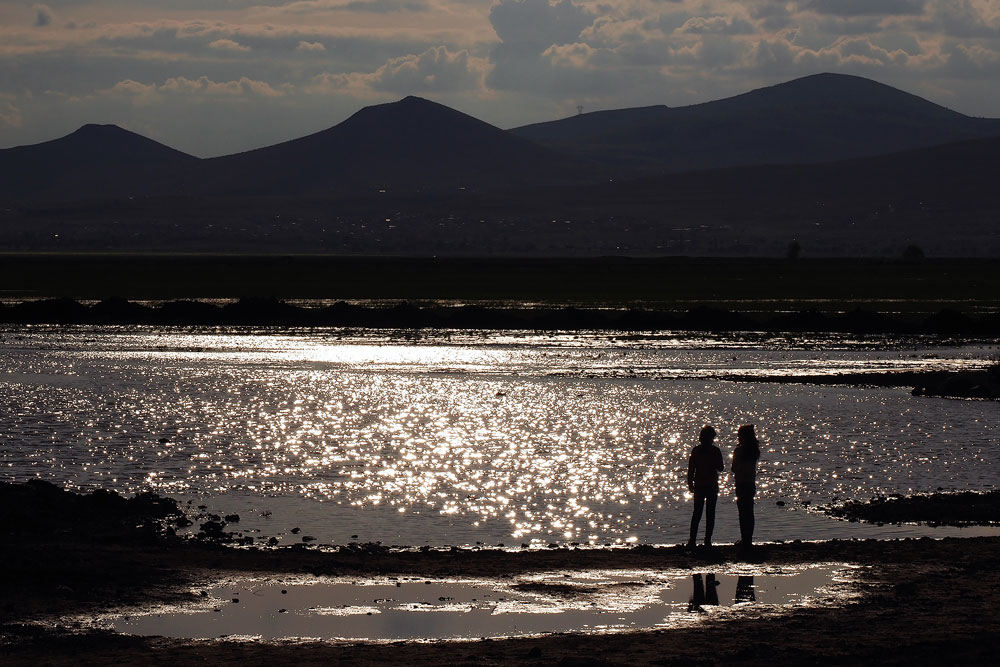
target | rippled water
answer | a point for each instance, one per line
(456, 438)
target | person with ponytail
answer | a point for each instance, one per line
(744, 468)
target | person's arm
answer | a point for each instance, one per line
(719, 465)
(691, 472)
(736, 455)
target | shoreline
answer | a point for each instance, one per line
(417, 314)
(915, 597)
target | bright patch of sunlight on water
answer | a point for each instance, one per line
(464, 437)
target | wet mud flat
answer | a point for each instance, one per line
(973, 384)
(912, 601)
(938, 509)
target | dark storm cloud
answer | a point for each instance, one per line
(539, 23)
(528, 28)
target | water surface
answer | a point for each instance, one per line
(451, 437)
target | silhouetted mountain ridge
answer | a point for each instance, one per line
(819, 118)
(95, 160)
(413, 144)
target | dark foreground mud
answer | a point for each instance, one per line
(919, 601)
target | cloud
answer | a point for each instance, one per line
(507, 61)
(865, 7)
(44, 16)
(527, 29)
(539, 24)
(310, 46)
(365, 6)
(436, 70)
(201, 87)
(227, 45)
(10, 115)
(725, 25)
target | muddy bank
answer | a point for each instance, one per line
(938, 509)
(916, 599)
(982, 384)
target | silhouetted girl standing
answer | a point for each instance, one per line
(744, 469)
(704, 467)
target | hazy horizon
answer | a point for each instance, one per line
(224, 76)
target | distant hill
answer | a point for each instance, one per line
(955, 182)
(411, 145)
(814, 119)
(93, 161)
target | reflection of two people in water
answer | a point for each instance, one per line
(706, 591)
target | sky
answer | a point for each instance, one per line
(212, 77)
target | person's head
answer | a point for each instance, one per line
(707, 435)
(746, 438)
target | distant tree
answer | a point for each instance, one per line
(913, 254)
(794, 250)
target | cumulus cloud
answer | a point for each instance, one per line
(227, 45)
(10, 115)
(199, 87)
(538, 23)
(864, 7)
(527, 29)
(725, 25)
(368, 6)
(436, 70)
(310, 46)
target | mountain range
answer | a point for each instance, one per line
(820, 118)
(418, 146)
(837, 161)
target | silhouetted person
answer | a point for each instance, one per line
(698, 594)
(745, 458)
(744, 590)
(705, 592)
(704, 467)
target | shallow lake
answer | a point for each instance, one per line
(458, 438)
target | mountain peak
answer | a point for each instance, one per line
(100, 131)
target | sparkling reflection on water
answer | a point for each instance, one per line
(456, 438)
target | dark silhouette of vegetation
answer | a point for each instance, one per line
(913, 254)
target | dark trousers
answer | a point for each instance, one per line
(704, 500)
(744, 503)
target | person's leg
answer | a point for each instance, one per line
(699, 505)
(744, 503)
(710, 500)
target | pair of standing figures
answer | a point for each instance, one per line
(704, 467)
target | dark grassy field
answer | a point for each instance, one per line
(740, 284)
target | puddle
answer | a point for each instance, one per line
(402, 608)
